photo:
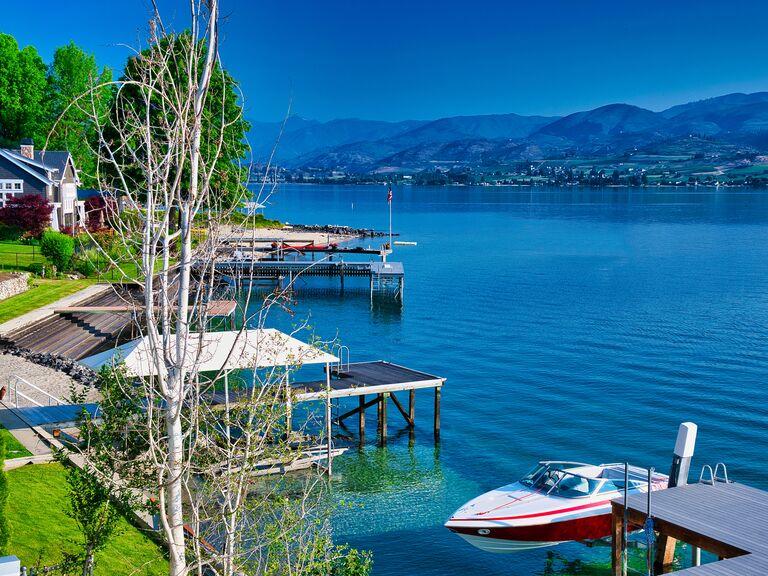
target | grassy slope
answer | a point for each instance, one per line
(13, 448)
(40, 528)
(41, 293)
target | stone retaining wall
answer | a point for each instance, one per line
(12, 284)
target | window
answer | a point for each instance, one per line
(15, 185)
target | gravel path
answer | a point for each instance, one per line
(52, 381)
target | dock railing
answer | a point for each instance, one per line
(15, 381)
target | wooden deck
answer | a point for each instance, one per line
(363, 378)
(379, 379)
(728, 520)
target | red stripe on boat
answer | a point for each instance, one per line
(536, 515)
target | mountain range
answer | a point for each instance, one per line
(359, 146)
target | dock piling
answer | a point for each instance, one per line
(383, 416)
(437, 412)
(361, 418)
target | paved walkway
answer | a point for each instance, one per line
(48, 309)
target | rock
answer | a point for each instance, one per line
(68, 366)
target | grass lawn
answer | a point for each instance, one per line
(41, 530)
(13, 448)
(41, 292)
(17, 256)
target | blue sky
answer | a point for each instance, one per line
(422, 59)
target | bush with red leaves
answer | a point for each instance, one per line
(31, 213)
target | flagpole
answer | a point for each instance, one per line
(390, 225)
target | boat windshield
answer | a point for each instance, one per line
(554, 482)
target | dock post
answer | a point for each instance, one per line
(361, 419)
(678, 476)
(412, 407)
(437, 412)
(617, 531)
(695, 556)
(383, 414)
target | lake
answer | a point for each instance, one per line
(571, 324)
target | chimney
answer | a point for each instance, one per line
(27, 148)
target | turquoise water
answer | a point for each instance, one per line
(570, 324)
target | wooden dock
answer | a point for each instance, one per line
(384, 278)
(379, 379)
(726, 519)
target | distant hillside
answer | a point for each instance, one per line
(606, 122)
(361, 146)
(301, 136)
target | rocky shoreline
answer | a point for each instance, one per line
(72, 368)
(339, 230)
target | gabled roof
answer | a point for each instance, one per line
(19, 162)
(49, 160)
(54, 160)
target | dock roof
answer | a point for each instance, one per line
(213, 351)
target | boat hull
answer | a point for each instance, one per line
(499, 546)
(503, 539)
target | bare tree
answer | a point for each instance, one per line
(166, 444)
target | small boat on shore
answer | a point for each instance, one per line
(556, 502)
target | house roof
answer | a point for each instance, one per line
(19, 162)
(53, 159)
(49, 161)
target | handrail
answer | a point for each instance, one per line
(340, 365)
(711, 475)
(15, 380)
(725, 472)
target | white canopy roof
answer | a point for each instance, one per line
(210, 351)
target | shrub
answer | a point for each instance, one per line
(37, 268)
(58, 248)
(85, 267)
(9, 232)
(31, 213)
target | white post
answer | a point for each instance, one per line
(681, 460)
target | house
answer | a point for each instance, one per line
(50, 174)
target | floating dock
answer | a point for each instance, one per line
(725, 518)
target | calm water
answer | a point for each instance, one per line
(571, 324)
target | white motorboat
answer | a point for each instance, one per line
(556, 502)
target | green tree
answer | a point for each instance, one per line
(77, 90)
(96, 516)
(23, 87)
(222, 114)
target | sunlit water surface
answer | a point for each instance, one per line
(570, 324)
